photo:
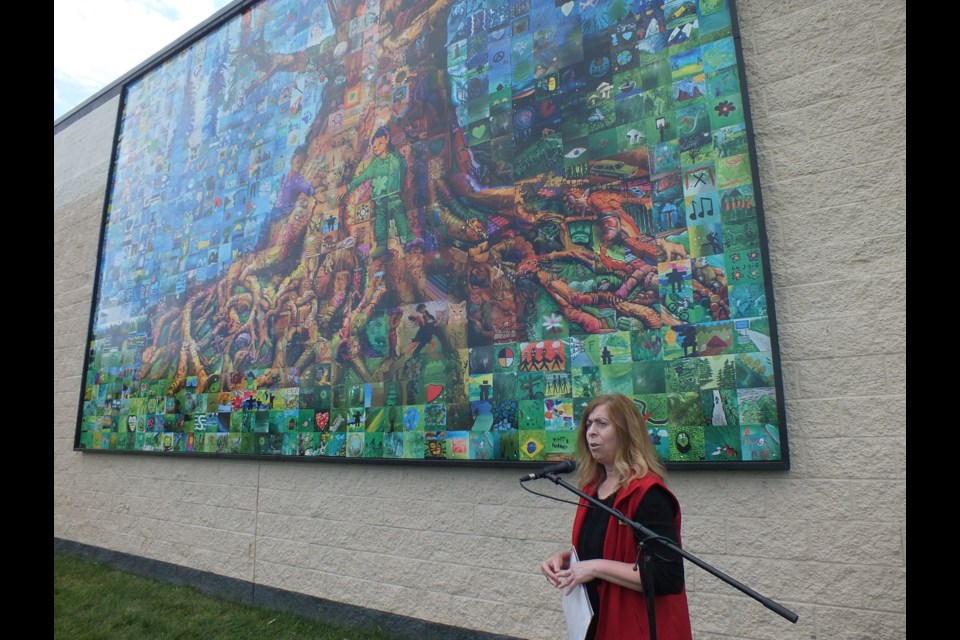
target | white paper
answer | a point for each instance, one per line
(576, 608)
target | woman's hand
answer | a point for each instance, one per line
(554, 564)
(621, 573)
(580, 573)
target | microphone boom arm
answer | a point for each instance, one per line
(649, 536)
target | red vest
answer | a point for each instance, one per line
(623, 612)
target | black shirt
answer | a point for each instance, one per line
(655, 512)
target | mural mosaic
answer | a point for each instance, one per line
(434, 229)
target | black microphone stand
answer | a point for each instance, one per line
(645, 539)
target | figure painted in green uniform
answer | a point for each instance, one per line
(387, 172)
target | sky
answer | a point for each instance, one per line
(95, 42)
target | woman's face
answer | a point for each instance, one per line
(602, 436)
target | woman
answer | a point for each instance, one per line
(619, 466)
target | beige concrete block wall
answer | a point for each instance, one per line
(461, 546)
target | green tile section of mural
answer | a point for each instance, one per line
(435, 229)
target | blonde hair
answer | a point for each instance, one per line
(635, 453)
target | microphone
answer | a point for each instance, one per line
(560, 467)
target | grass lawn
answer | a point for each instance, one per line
(91, 600)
